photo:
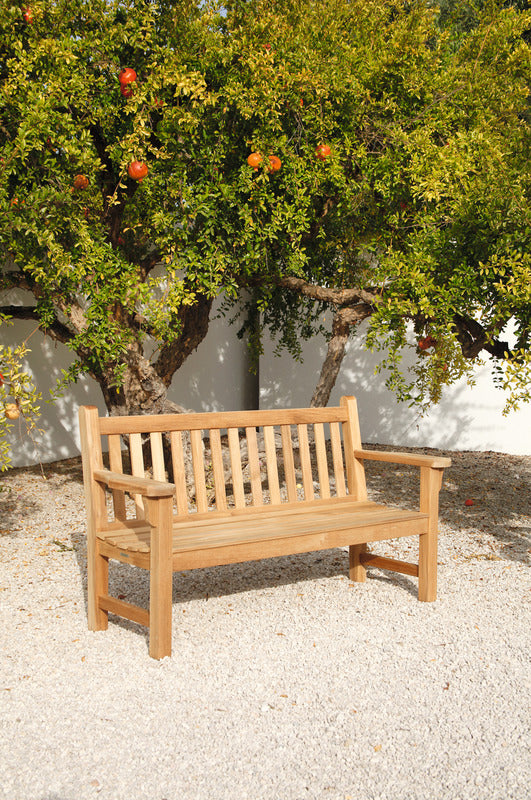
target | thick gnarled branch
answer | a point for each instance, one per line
(337, 297)
(474, 338)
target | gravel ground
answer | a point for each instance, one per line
(287, 681)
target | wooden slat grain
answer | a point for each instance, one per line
(157, 456)
(271, 464)
(322, 462)
(236, 467)
(289, 462)
(306, 462)
(198, 466)
(219, 419)
(217, 469)
(137, 468)
(116, 465)
(254, 466)
(337, 459)
(179, 471)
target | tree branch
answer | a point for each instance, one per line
(473, 338)
(338, 297)
(56, 330)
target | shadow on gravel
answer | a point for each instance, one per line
(132, 584)
(497, 484)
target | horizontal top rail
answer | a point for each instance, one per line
(219, 419)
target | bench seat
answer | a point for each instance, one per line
(240, 535)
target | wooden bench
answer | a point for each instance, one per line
(229, 514)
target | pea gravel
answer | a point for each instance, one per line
(287, 681)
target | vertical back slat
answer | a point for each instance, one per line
(337, 459)
(271, 462)
(179, 471)
(137, 468)
(199, 470)
(289, 462)
(322, 463)
(157, 456)
(217, 468)
(115, 463)
(236, 467)
(254, 466)
(306, 462)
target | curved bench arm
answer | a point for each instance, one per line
(412, 459)
(147, 487)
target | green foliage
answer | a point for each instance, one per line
(423, 201)
(18, 396)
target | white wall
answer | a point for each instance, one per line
(215, 377)
(467, 418)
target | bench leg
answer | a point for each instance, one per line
(357, 572)
(430, 484)
(160, 514)
(428, 567)
(98, 585)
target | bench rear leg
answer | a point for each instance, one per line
(357, 571)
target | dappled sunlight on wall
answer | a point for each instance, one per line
(467, 418)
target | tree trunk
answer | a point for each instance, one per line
(344, 319)
(332, 362)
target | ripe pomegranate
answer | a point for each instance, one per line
(426, 342)
(254, 160)
(127, 75)
(137, 170)
(274, 163)
(322, 151)
(126, 91)
(28, 15)
(81, 182)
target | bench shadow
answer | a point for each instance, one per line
(496, 484)
(132, 584)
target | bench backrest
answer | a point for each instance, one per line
(218, 458)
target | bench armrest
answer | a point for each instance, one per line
(411, 459)
(147, 487)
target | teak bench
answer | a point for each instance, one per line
(228, 515)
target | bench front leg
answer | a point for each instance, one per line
(430, 485)
(98, 585)
(160, 515)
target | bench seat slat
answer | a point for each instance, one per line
(232, 530)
